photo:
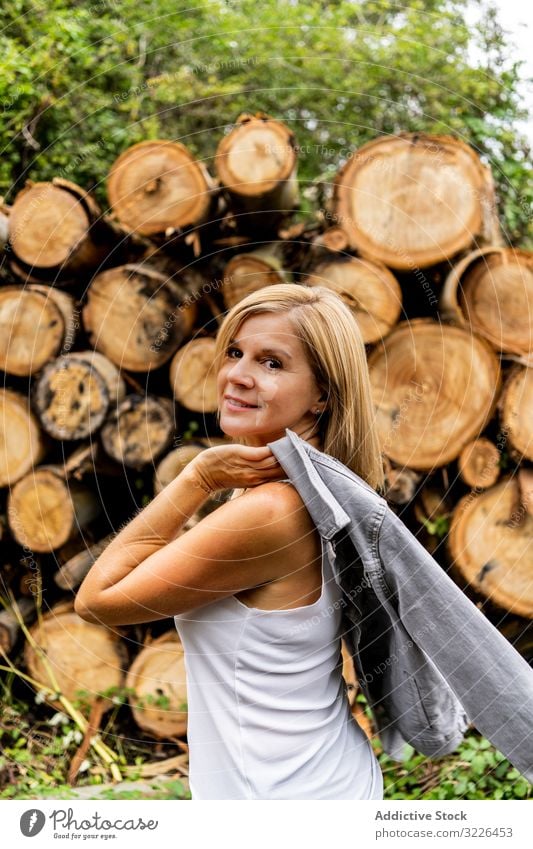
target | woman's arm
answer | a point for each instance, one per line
(236, 547)
(143, 573)
(150, 530)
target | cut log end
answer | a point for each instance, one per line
(21, 443)
(192, 375)
(158, 674)
(133, 317)
(255, 157)
(87, 659)
(479, 463)
(44, 510)
(70, 398)
(412, 200)
(434, 387)
(139, 430)
(369, 289)
(490, 542)
(32, 330)
(156, 186)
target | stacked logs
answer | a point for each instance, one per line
(109, 325)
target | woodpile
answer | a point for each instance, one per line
(87, 659)
(108, 326)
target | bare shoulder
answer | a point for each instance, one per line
(282, 502)
(275, 507)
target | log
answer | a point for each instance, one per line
(490, 291)
(413, 200)
(525, 486)
(89, 458)
(132, 317)
(9, 623)
(139, 430)
(192, 375)
(352, 691)
(45, 510)
(256, 163)
(519, 632)
(516, 410)
(479, 463)
(56, 230)
(86, 658)
(334, 239)
(246, 273)
(32, 330)
(67, 307)
(21, 443)
(70, 397)
(491, 545)
(348, 673)
(156, 188)
(435, 387)
(369, 289)
(72, 394)
(70, 575)
(110, 374)
(159, 671)
(401, 483)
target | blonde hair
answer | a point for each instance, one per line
(336, 354)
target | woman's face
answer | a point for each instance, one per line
(266, 368)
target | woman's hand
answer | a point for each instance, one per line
(234, 466)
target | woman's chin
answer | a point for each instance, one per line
(233, 428)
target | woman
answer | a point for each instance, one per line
(250, 588)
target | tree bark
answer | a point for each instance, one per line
(9, 623)
(71, 574)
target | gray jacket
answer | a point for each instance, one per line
(428, 661)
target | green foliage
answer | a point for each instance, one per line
(33, 755)
(476, 771)
(439, 526)
(82, 82)
(35, 759)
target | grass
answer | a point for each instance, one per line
(36, 754)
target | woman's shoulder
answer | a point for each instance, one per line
(281, 500)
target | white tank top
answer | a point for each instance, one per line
(268, 715)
